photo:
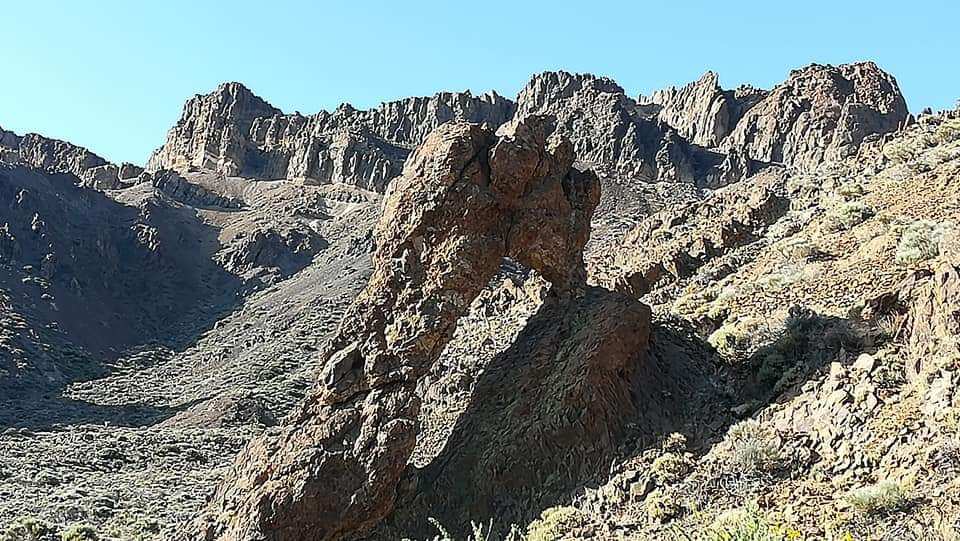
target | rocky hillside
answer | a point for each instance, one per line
(702, 314)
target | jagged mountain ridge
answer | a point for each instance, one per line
(699, 134)
(300, 253)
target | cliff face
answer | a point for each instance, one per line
(699, 134)
(55, 156)
(233, 132)
(701, 111)
(820, 113)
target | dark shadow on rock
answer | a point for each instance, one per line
(551, 413)
(547, 417)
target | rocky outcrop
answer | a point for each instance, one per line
(180, 189)
(234, 132)
(622, 139)
(212, 130)
(820, 113)
(601, 121)
(926, 306)
(55, 156)
(701, 111)
(675, 243)
(548, 412)
(466, 200)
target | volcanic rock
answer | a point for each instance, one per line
(466, 200)
(236, 133)
(820, 113)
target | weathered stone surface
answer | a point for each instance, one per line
(820, 113)
(701, 111)
(927, 305)
(675, 243)
(55, 156)
(547, 412)
(234, 132)
(211, 130)
(466, 200)
(178, 188)
(600, 120)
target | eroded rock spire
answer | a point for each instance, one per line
(466, 200)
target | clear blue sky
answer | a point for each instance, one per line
(112, 75)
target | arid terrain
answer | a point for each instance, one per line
(704, 314)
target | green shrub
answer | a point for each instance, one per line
(479, 532)
(711, 302)
(28, 529)
(847, 215)
(850, 190)
(735, 338)
(899, 151)
(883, 497)
(750, 448)
(670, 467)
(554, 523)
(661, 506)
(920, 241)
(743, 524)
(79, 532)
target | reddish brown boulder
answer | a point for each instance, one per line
(466, 200)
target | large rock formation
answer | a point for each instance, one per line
(236, 133)
(546, 416)
(55, 156)
(673, 244)
(604, 125)
(466, 200)
(662, 138)
(820, 113)
(701, 111)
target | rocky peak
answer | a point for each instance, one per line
(56, 156)
(208, 134)
(820, 113)
(600, 120)
(233, 132)
(702, 111)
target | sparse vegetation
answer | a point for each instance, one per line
(661, 506)
(899, 151)
(736, 338)
(850, 190)
(847, 215)
(797, 248)
(883, 497)
(670, 467)
(949, 130)
(743, 524)
(478, 532)
(751, 448)
(711, 302)
(28, 529)
(920, 242)
(787, 275)
(554, 522)
(80, 532)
